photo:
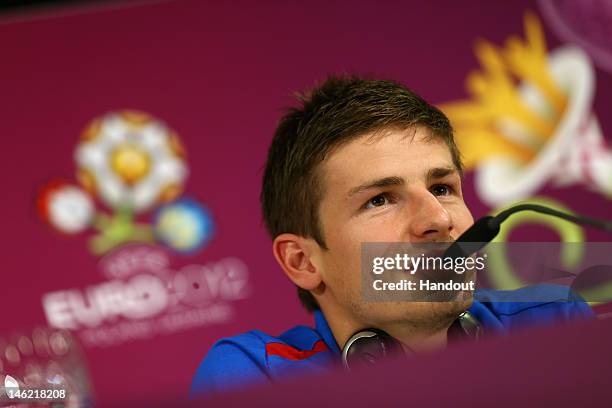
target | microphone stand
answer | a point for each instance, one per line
(485, 229)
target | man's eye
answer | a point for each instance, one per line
(377, 201)
(441, 190)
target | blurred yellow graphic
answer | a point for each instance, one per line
(482, 122)
(528, 120)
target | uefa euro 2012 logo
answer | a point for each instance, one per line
(132, 164)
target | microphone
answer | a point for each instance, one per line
(485, 229)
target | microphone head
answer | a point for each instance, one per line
(474, 238)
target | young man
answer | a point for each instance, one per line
(359, 161)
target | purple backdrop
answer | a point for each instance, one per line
(218, 74)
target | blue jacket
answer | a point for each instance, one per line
(256, 357)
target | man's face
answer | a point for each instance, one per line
(400, 186)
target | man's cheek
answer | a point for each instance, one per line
(462, 219)
(377, 230)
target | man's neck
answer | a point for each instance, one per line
(415, 338)
(419, 339)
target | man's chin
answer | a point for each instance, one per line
(444, 313)
(434, 314)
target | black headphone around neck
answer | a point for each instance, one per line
(369, 346)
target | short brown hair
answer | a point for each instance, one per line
(339, 110)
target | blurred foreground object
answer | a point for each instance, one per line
(565, 365)
(42, 360)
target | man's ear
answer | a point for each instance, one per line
(293, 253)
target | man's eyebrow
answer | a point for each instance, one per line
(378, 183)
(440, 172)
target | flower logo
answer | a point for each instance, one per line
(128, 159)
(132, 163)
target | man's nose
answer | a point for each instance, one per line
(429, 220)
